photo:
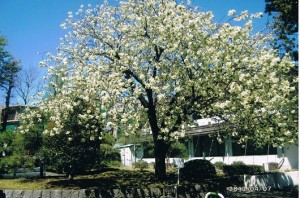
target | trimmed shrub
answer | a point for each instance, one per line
(273, 165)
(231, 170)
(197, 170)
(235, 163)
(142, 165)
(114, 163)
(219, 165)
(255, 169)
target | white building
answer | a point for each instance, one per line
(201, 145)
(130, 153)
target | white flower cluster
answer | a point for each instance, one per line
(157, 63)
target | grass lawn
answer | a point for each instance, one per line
(111, 178)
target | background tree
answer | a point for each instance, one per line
(285, 27)
(110, 156)
(285, 24)
(73, 123)
(8, 73)
(166, 62)
(9, 69)
(28, 85)
(33, 140)
(13, 154)
(178, 149)
(4, 55)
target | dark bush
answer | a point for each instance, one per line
(197, 170)
(231, 170)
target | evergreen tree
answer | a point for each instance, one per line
(285, 24)
(9, 69)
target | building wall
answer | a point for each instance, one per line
(126, 156)
(130, 154)
(13, 115)
(249, 160)
(289, 155)
(287, 158)
(292, 154)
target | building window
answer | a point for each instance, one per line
(251, 149)
(208, 146)
(12, 114)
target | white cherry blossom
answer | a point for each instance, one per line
(156, 63)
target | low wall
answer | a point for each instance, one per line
(194, 191)
(273, 180)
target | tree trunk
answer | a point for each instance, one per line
(160, 146)
(6, 109)
(5, 118)
(70, 177)
(160, 149)
(42, 170)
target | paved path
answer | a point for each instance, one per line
(289, 192)
(29, 175)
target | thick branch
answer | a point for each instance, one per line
(128, 74)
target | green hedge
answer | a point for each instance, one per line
(240, 169)
(197, 170)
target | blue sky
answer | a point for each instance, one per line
(33, 26)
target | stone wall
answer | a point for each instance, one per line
(182, 191)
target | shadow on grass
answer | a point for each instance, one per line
(126, 180)
(110, 179)
(115, 179)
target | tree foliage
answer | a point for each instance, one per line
(13, 154)
(178, 149)
(9, 69)
(71, 139)
(4, 55)
(285, 23)
(165, 62)
(109, 154)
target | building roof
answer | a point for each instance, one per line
(203, 130)
(205, 126)
(117, 146)
(17, 106)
